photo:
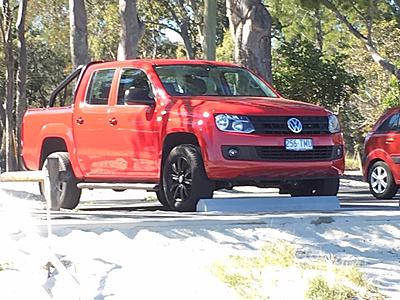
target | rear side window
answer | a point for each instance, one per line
(390, 124)
(99, 88)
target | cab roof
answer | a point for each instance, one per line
(162, 62)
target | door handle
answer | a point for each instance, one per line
(389, 140)
(113, 121)
(80, 121)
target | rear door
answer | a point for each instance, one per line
(92, 126)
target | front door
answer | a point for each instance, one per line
(135, 129)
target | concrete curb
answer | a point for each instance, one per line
(269, 204)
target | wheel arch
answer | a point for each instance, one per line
(175, 139)
(51, 145)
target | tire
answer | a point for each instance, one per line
(184, 180)
(161, 197)
(320, 187)
(69, 192)
(381, 181)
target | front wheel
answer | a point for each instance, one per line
(184, 180)
(381, 181)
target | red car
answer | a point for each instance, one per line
(185, 128)
(381, 160)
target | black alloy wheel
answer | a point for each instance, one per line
(185, 181)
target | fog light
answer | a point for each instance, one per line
(233, 152)
(339, 152)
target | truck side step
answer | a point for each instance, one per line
(23, 176)
(150, 187)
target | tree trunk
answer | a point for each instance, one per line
(6, 30)
(250, 26)
(78, 33)
(318, 29)
(210, 29)
(21, 74)
(186, 40)
(130, 30)
(184, 26)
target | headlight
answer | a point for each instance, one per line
(333, 124)
(233, 123)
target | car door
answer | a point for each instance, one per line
(387, 138)
(135, 127)
(92, 127)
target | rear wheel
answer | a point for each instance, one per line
(184, 180)
(381, 181)
(69, 192)
(320, 187)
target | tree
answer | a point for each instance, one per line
(250, 26)
(21, 102)
(48, 49)
(130, 30)
(366, 13)
(210, 29)
(78, 33)
(6, 22)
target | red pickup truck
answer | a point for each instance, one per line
(186, 128)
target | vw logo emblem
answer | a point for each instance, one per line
(294, 125)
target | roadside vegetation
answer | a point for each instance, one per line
(352, 162)
(3, 266)
(278, 273)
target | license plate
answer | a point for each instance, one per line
(298, 144)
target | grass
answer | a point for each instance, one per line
(277, 269)
(352, 162)
(3, 266)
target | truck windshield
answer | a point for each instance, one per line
(208, 80)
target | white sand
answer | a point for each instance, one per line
(172, 259)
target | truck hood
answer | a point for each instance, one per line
(254, 106)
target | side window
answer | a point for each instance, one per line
(99, 88)
(134, 80)
(65, 97)
(390, 124)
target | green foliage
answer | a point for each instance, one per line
(392, 97)
(48, 54)
(319, 289)
(225, 50)
(324, 279)
(303, 73)
(46, 69)
(103, 29)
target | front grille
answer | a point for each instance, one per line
(278, 125)
(280, 153)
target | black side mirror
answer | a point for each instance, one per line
(138, 96)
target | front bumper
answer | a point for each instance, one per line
(250, 167)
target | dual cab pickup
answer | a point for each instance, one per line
(185, 128)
